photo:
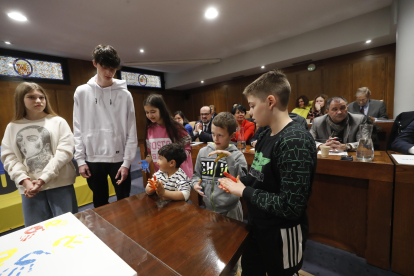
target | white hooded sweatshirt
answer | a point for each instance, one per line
(104, 124)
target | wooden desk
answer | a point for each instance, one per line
(403, 224)
(175, 238)
(351, 204)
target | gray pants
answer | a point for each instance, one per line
(48, 204)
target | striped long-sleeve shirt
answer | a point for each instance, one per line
(179, 181)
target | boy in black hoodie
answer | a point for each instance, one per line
(279, 182)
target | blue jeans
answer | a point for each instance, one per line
(48, 204)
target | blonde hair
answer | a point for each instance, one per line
(271, 83)
(21, 91)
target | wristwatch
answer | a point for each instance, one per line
(348, 147)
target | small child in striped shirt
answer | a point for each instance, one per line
(172, 183)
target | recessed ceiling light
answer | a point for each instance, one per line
(202, 81)
(7, 42)
(262, 67)
(368, 41)
(17, 16)
(211, 13)
(142, 50)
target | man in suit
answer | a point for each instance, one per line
(213, 111)
(364, 105)
(338, 128)
(404, 143)
(202, 129)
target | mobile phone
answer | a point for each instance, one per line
(347, 157)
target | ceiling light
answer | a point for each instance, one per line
(17, 16)
(142, 50)
(7, 42)
(262, 67)
(202, 81)
(368, 41)
(211, 13)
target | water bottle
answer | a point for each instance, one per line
(241, 142)
(365, 150)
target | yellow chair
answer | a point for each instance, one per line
(11, 213)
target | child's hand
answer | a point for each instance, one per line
(28, 185)
(198, 188)
(234, 187)
(37, 185)
(220, 154)
(159, 187)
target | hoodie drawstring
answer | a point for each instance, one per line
(110, 96)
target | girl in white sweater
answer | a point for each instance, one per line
(37, 151)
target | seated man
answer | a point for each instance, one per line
(364, 105)
(202, 129)
(404, 143)
(338, 128)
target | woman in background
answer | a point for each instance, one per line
(239, 112)
(302, 108)
(180, 118)
(318, 107)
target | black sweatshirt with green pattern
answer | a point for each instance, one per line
(279, 183)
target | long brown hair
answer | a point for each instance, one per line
(175, 130)
(19, 94)
(323, 108)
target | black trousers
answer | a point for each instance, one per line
(98, 182)
(275, 251)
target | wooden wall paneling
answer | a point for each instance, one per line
(244, 83)
(293, 90)
(140, 116)
(7, 110)
(337, 81)
(187, 106)
(198, 102)
(209, 96)
(53, 99)
(309, 83)
(80, 71)
(234, 94)
(221, 100)
(370, 72)
(390, 77)
(65, 105)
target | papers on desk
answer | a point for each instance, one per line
(404, 159)
(335, 153)
(61, 246)
(252, 149)
(384, 121)
(196, 143)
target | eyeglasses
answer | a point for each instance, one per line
(204, 114)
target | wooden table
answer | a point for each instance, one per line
(175, 238)
(403, 225)
(351, 204)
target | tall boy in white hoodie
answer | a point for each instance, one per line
(104, 128)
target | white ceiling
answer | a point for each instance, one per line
(167, 29)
